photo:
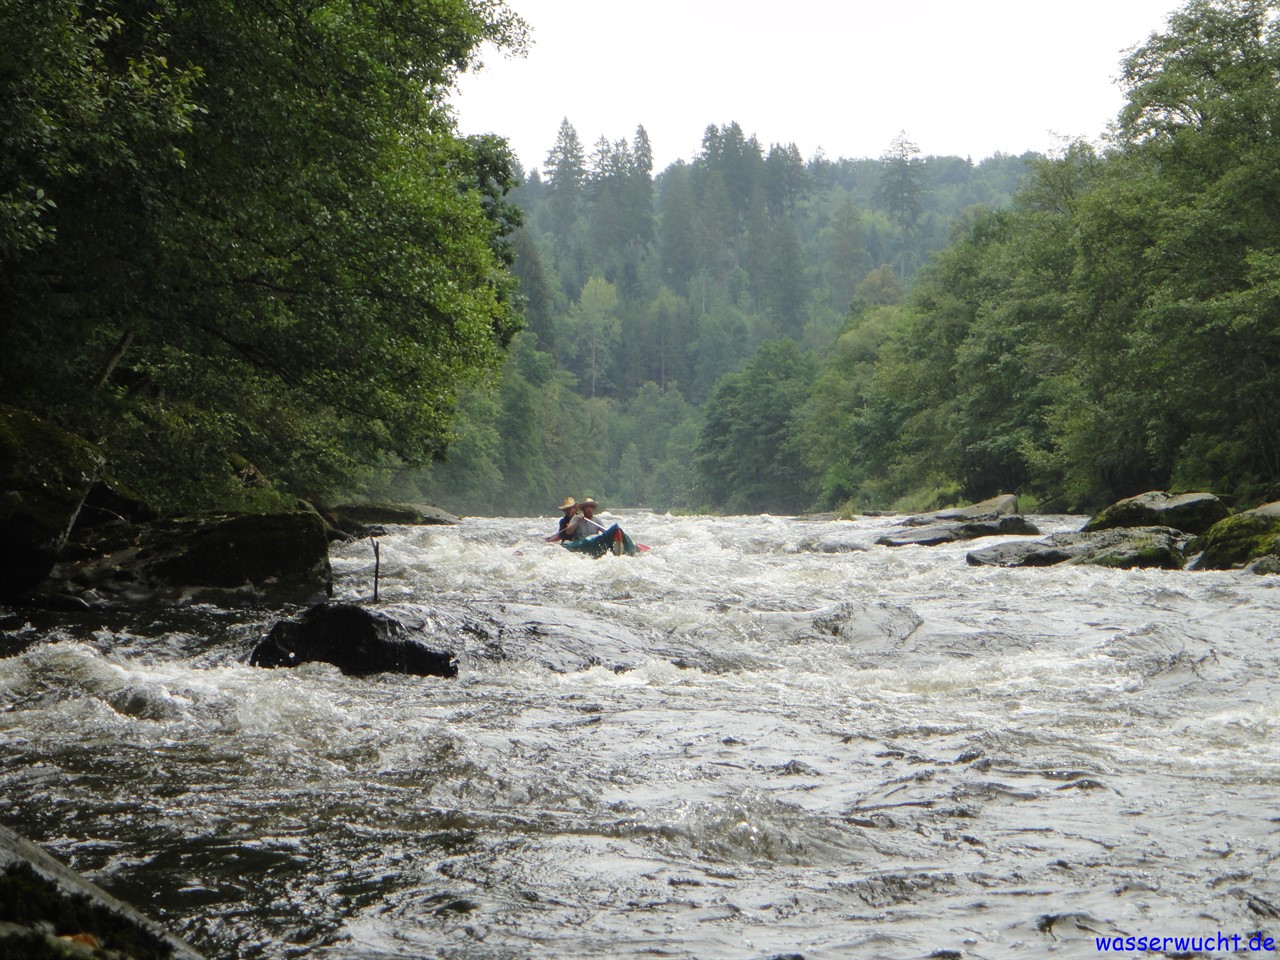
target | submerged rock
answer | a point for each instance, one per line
(45, 474)
(936, 533)
(565, 640)
(1251, 537)
(360, 640)
(1128, 547)
(49, 910)
(1192, 512)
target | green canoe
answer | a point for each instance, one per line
(612, 540)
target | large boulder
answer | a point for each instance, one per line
(1251, 537)
(1124, 548)
(272, 558)
(368, 519)
(1191, 512)
(936, 533)
(49, 910)
(999, 506)
(361, 640)
(45, 474)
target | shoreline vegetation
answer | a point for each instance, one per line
(194, 284)
(75, 542)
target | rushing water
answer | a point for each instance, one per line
(875, 752)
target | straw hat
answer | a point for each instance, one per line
(588, 503)
(569, 504)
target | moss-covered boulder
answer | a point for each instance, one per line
(1122, 548)
(45, 474)
(1248, 538)
(1189, 512)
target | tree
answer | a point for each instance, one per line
(566, 172)
(596, 329)
(314, 281)
(901, 185)
(749, 455)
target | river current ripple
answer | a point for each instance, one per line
(822, 747)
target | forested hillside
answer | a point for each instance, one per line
(646, 295)
(750, 331)
(245, 252)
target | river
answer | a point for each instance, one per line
(820, 747)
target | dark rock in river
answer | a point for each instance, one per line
(1161, 547)
(1192, 512)
(367, 519)
(49, 910)
(1251, 537)
(273, 558)
(45, 474)
(430, 641)
(360, 640)
(936, 533)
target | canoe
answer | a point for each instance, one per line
(612, 540)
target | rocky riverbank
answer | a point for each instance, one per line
(76, 540)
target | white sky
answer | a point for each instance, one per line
(961, 77)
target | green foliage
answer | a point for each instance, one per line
(266, 239)
(749, 457)
(1114, 332)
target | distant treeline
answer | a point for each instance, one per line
(750, 331)
(643, 293)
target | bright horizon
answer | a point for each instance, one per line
(841, 76)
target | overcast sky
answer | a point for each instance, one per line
(961, 77)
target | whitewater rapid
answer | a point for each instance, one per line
(818, 747)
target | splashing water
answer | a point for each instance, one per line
(819, 746)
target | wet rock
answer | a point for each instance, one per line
(272, 558)
(45, 474)
(950, 532)
(1249, 537)
(1265, 565)
(1125, 548)
(361, 640)
(836, 542)
(1191, 512)
(52, 911)
(413, 638)
(565, 641)
(369, 519)
(1003, 505)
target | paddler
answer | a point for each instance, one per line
(568, 509)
